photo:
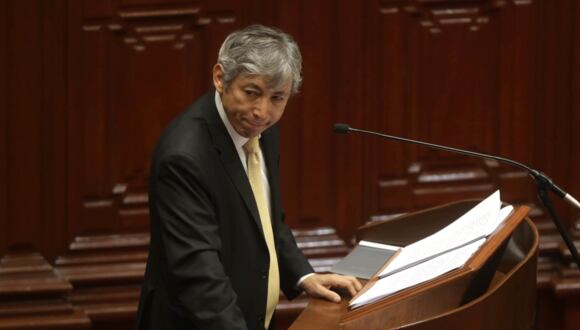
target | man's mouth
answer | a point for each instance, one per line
(254, 124)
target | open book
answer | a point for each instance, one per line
(435, 255)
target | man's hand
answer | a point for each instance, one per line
(318, 286)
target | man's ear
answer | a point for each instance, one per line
(218, 78)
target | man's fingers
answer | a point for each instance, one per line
(346, 282)
(320, 284)
(352, 286)
(328, 294)
(352, 289)
(357, 283)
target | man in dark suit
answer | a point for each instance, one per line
(220, 251)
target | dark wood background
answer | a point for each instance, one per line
(86, 87)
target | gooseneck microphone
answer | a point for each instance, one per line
(543, 182)
(345, 129)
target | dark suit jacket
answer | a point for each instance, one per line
(208, 260)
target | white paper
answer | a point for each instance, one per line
(418, 274)
(504, 213)
(474, 224)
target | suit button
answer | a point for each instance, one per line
(264, 275)
(261, 319)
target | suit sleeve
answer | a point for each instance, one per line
(191, 244)
(293, 263)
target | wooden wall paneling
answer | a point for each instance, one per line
(394, 81)
(516, 87)
(430, 101)
(392, 115)
(135, 66)
(265, 12)
(567, 289)
(553, 153)
(32, 294)
(53, 116)
(372, 34)
(306, 154)
(388, 71)
(4, 25)
(446, 43)
(196, 78)
(291, 129)
(90, 203)
(222, 18)
(350, 108)
(574, 180)
(74, 55)
(24, 126)
(309, 152)
(518, 80)
(456, 98)
(411, 115)
(552, 119)
(318, 41)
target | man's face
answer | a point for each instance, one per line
(251, 105)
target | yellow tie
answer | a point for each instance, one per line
(252, 149)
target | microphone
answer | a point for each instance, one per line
(536, 175)
(543, 182)
(342, 128)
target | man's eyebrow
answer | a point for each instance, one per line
(252, 85)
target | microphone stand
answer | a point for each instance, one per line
(543, 182)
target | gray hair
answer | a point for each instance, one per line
(261, 50)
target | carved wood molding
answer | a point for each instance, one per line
(127, 201)
(139, 26)
(434, 15)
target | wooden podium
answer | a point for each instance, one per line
(495, 289)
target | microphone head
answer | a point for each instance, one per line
(341, 128)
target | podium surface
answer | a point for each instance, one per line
(498, 295)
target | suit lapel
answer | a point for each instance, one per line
(269, 144)
(229, 158)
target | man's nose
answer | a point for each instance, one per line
(261, 108)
